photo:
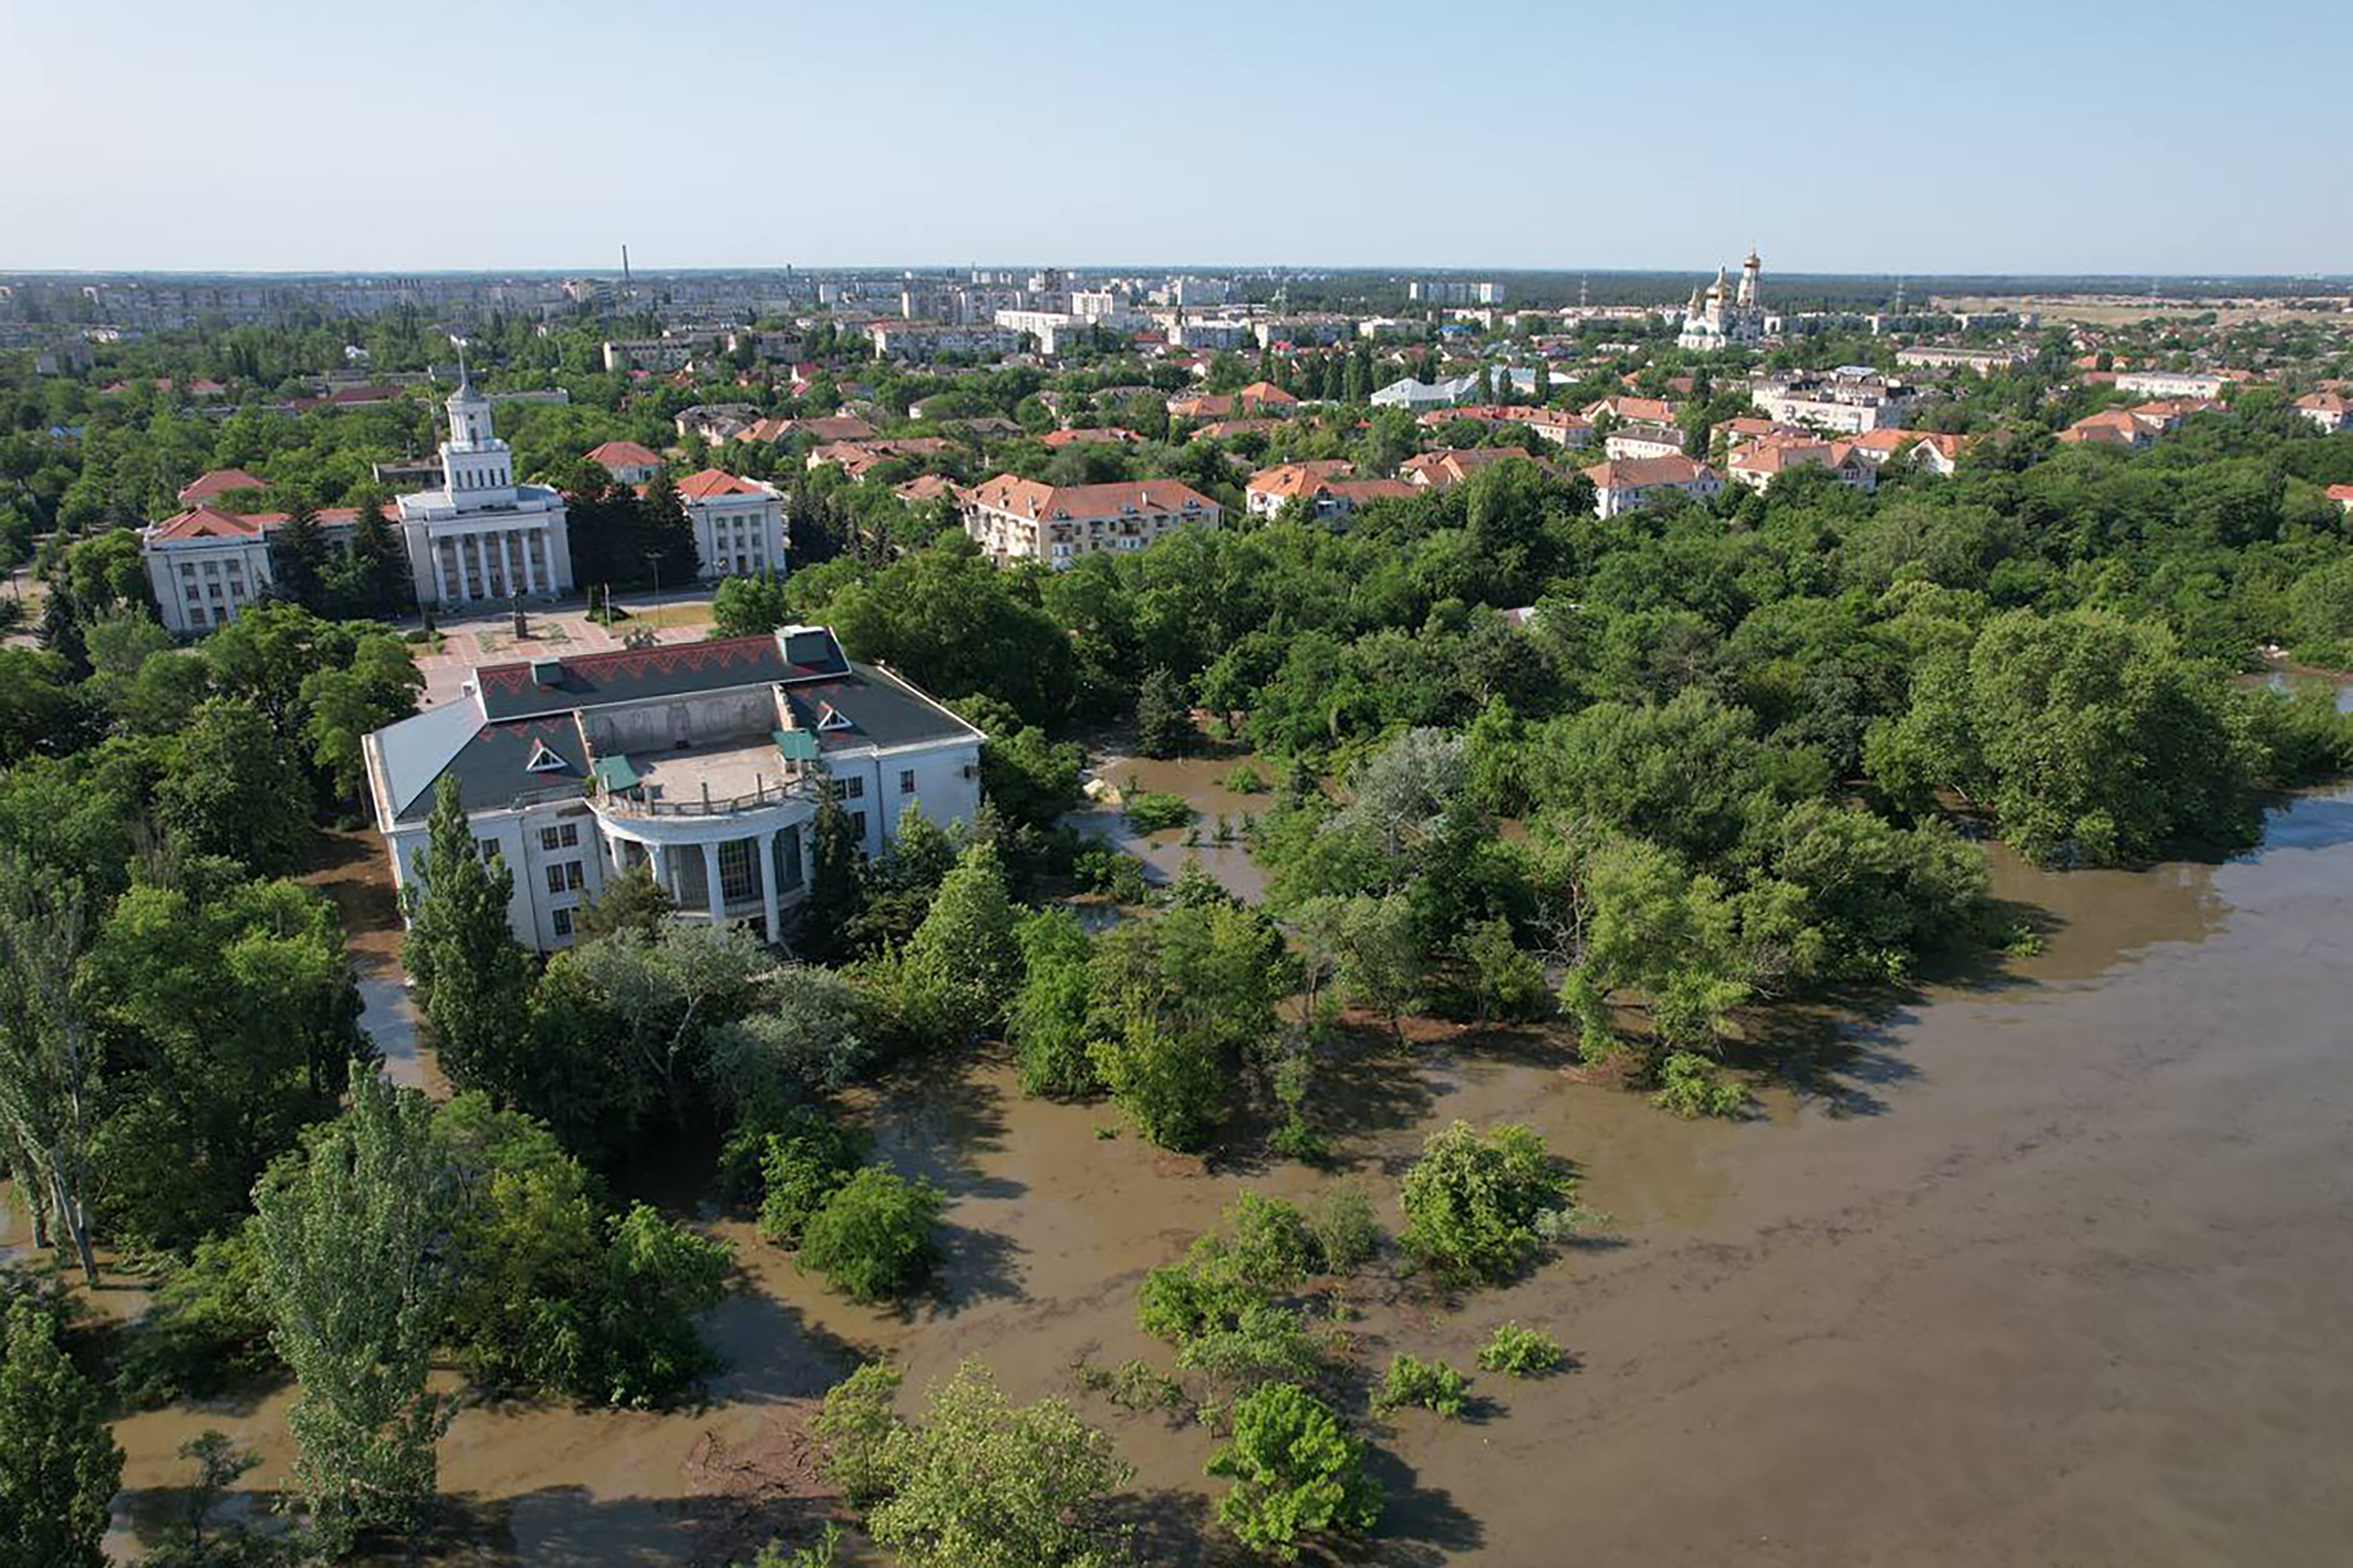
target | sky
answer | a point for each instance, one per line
(2162, 137)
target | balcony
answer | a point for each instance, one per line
(719, 780)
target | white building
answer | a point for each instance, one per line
(1017, 519)
(1724, 317)
(629, 462)
(2171, 383)
(482, 536)
(2326, 410)
(1643, 441)
(739, 523)
(1846, 401)
(701, 761)
(1622, 486)
(929, 340)
(1984, 361)
(204, 565)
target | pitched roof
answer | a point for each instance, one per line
(1087, 434)
(203, 523)
(1290, 478)
(1633, 473)
(1030, 498)
(632, 674)
(220, 482)
(618, 455)
(713, 481)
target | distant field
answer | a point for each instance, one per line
(2112, 310)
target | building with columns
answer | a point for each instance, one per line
(481, 537)
(700, 761)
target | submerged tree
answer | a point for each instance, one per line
(58, 1463)
(353, 1246)
(474, 981)
(50, 1068)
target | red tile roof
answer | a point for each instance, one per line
(1029, 498)
(713, 481)
(618, 455)
(220, 482)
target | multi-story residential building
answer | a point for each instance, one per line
(2172, 382)
(929, 340)
(739, 523)
(1984, 361)
(484, 536)
(1642, 441)
(1016, 519)
(1625, 408)
(1327, 487)
(1454, 291)
(1622, 486)
(701, 762)
(1846, 401)
(627, 462)
(1758, 463)
(1450, 466)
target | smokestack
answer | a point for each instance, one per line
(625, 264)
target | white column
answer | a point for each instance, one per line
(440, 575)
(768, 842)
(710, 883)
(530, 578)
(661, 870)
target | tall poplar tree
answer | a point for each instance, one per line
(58, 1463)
(353, 1265)
(473, 980)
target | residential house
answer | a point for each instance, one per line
(627, 462)
(1758, 463)
(1327, 487)
(209, 487)
(1016, 519)
(1642, 441)
(1450, 466)
(1620, 486)
(2326, 411)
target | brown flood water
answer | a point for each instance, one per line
(2046, 1269)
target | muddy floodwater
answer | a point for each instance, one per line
(2050, 1266)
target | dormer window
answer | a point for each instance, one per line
(543, 759)
(832, 718)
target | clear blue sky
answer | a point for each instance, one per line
(2065, 136)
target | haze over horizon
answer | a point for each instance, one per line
(262, 136)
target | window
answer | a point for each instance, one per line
(906, 781)
(571, 832)
(555, 879)
(739, 870)
(574, 877)
(858, 824)
(548, 839)
(488, 847)
(564, 923)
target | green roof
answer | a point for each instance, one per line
(795, 745)
(616, 773)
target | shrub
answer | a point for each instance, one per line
(1473, 1201)
(1050, 1010)
(873, 1237)
(1154, 811)
(855, 1429)
(1431, 1385)
(1296, 1473)
(1271, 1246)
(1245, 779)
(1691, 1087)
(1520, 1352)
(208, 1327)
(1342, 1223)
(979, 1482)
(1263, 1340)
(802, 1167)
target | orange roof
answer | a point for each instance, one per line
(220, 482)
(1087, 434)
(2342, 494)
(1632, 474)
(1290, 478)
(209, 522)
(1264, 392)
(1029, 498)
(619, 455)
(713, 481)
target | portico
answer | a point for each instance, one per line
(482, 536)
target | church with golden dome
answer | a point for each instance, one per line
(1725, 316)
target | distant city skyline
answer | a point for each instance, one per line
(262, 136)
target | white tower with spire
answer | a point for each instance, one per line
(482, 537)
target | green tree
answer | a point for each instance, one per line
(472, 978)
(632, 901)
(979, 1482)
(58, 1463)
(1297, 1475)
(1164, 715)
(51, 1066)
(232, 789)
(343, 706)
(855, 1428)
(749, 607)
(873, 1238)
(965, 958)
(297, 554)
(1049, 1022)
(669, 533)
(351, 1250)
(1474, 1202)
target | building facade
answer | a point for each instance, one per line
(1016, 519)
(739, 523)
(701, 762)
(481, 537)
